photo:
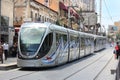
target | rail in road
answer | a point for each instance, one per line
(98, 66)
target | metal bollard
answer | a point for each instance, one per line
(118, 70)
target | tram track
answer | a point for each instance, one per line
(22, 75)
(90, 64)
(27, 74)
(86, 66)
(19, 73)
(103, 69)
(65, 70)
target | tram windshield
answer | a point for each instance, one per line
(30, 38)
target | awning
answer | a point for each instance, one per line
(72, 11)
(76, 15)
(62, 6)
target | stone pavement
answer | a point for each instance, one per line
(109, 69)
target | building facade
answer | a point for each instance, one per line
(6, 28)
(69, 16)
(33, 10)
(112, 32)
(89, 5)
(117, 24)
(52, 4)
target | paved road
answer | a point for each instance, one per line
(97, 66)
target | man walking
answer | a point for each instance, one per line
(5, 48)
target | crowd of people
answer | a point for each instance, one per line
(6, 52)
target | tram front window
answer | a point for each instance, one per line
(30, 38)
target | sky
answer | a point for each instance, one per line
(110, 11)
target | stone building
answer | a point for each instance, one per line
(33, 10)
(69, 17)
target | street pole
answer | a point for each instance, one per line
(14, 2)
(0, 20)
(69, 14)
(88, 24)
(69, 17)
(100, 14)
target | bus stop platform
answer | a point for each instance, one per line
(10, 63)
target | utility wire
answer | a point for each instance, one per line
(113, 17)
(108, 12)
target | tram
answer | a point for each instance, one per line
(47, 44)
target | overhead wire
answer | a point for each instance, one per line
(108, 11)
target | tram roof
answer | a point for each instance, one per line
(58, 28)
(98, 36)
(34, 24)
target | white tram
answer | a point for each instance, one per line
(46, 44)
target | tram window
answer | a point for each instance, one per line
(61, 38)
(89, 42)
(92, 41)
(46, 45)
(82, 43)
(86, 42)
(95, 42)
(64, 39)
(73, 41)
(57, 39)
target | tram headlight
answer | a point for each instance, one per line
(37, 57)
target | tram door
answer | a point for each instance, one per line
(82, 47)
(74, 47)
(92, 45)
(87, 45)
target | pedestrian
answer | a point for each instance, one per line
(1, 53)
(14, 50)
(117, 50)
(5, 48)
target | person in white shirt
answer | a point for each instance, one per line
(5, 48)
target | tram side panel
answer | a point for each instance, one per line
(74, 47)
(104, 43)
(99, 43)
(87, 44)
(82, 46)
(61, 48)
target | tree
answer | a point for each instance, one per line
(118, 36)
